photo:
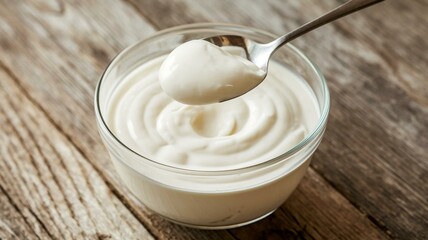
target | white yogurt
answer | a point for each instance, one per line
(244, 131)
(198, 72)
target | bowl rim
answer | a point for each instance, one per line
(319, 129)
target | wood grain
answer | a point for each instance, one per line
(47, 185)
(369, 174)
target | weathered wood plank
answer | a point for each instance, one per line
(49, 189)
(374, 150)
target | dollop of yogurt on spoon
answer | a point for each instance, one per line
(198, 72)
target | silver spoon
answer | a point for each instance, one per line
(260, 54)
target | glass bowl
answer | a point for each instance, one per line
(209, 199)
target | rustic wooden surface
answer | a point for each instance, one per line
(367, 180)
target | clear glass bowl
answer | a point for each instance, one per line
(209, 199)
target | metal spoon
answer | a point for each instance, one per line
(260, 54)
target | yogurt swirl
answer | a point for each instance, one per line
(251, 129)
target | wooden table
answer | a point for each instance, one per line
(368, 179)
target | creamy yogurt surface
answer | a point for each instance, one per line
(198, 72)
(260, 125)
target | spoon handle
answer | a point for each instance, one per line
(342, 10)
